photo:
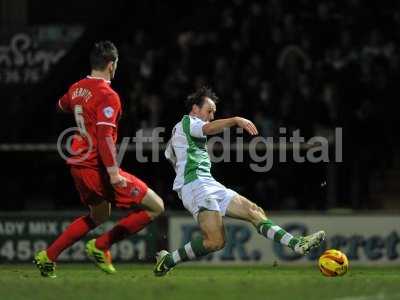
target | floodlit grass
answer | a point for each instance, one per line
(84, 281)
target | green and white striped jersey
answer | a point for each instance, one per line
(187, 150)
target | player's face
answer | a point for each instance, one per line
(207, 110)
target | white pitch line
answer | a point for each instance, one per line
(380, 296)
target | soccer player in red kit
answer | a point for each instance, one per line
(97, 176)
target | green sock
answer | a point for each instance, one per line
(276, 233)
(190, 251)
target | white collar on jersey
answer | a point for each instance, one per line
(92, 77)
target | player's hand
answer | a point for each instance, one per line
(246, 125)
(118, 181)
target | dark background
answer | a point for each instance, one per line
(308, 65)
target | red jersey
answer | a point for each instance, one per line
(93, 103)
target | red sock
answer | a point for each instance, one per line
(74, 232)
(131, 224)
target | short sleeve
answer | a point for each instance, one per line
(109, 110)
(64, 103)
(196, 127)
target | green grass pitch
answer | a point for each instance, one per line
(198, 282)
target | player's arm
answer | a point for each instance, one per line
(63, 104)
(107, 117)
(218, 126)
(108, 153)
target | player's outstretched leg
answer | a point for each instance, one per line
(98, 249)
(242, 208)
(212, 239)
(45, 260)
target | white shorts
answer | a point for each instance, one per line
(206, 194)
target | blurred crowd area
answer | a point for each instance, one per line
(307, 64)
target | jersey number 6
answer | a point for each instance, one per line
(80, 122)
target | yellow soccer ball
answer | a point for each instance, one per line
(333, 263)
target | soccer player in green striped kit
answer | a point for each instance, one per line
(204, 197)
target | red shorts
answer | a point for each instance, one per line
(94, 186)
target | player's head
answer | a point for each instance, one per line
(202, 103)
(104, 58)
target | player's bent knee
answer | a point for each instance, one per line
(153, 204)
(213, 245)
(154, 213)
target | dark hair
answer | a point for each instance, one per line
(102, 53)
(199, 96)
